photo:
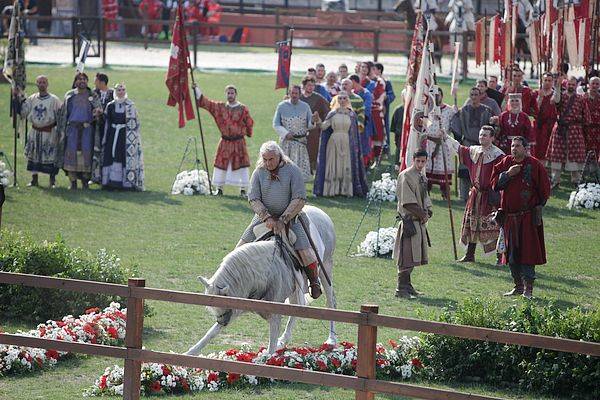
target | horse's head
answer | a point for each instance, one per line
(222, 315)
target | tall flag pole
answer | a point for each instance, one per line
(284, 62)
(177, 80)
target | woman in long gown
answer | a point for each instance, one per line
(339, 167)
(122, 158)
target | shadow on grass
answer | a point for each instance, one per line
(428, 300)
(95, 197)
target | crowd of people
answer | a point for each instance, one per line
(93, 135)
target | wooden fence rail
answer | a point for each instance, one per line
(364, 383)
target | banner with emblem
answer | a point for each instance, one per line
(284, 60)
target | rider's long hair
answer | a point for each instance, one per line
(268, 147)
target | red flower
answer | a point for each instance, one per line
(52, 354)
(336, 363)
(112, 331)
(416, 363)
(302, 350)
(42, 331)
(231, 352)
(185, 385)
(155, 387)
(102, 384)
(232, 378)
(281, 351)
(380, 349)
(277, 361)
(354, 363)
(380, 361)
(326, 347)
(298, 366)
(165, 370)
(120, 314)
(393, 343)
(347, 345)
(92, 310)
(245, 357)
(212, 377)
(322, 366)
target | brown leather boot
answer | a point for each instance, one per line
(312, 273)
(403, 289)
(52, 181)
(73, 185)
(528, 293)
(34, 180)
(518, 280)
(412, 290)
(470, 254)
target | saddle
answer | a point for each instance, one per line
(287, 238)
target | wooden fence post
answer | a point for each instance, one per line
(133, 340)
(367, 341)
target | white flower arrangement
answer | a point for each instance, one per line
(191, 182)
(586, 196)
(380, 245)
(383, 189)
(4, 175)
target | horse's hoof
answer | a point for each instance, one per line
(332, 341)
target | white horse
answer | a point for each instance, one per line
(258, 271)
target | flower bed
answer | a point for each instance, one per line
(586, 196)
(191, 182)
(396, 361)
(380, 245)
(4, 175)
(383, 189)
(95, 326)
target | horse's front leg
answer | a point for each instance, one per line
(274, 328)
(212, 332)
(331, 301)
(296, 298)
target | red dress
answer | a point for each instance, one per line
(511, 126)
(592, 124)
(151, 9)
(528, 99)
(543, 125)
(568, 148)
(110, 11)
(524, 239)
(235, 124)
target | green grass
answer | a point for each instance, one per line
(175, 238)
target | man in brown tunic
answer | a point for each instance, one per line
(318, 104)
(414, 209)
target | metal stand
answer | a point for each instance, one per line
(186, 152)
(371, 204)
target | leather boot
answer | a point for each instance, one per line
(312, 273)
(84, 184)
(470, 254)
(73, 185)
(34, 180)
(403, 290)
(528, 293)
(52, 181)
(518, 280)
(411, 289)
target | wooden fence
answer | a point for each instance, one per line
(368, 320)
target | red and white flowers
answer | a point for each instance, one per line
(397, 361)
(95, 326)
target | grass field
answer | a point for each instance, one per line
(175, 238)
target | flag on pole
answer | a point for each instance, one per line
(177, 75)
(480, 41)
(454, 83)
(83, 53)
(533, 32)
(583, 27)
(14, 61)
(284, 60)
(414, 60)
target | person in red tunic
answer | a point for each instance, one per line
(478, 225)
(513, 123)
(235, 123)
(567, 144)
(546, 116)
(376, 86)
(524, 187)
(529, 105)
(592, 125)
(151, 9)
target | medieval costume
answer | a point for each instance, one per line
(294, 119)
(280, 194)
(390, 96)
(592, 125)
(489, 102)
(43, 146)
(478, 224)
(567, 143)
(528, 99)
(316, 103)
(365, 137)
(544, 123)
(123, 160)
(410, 248)
(151, 10)
(513, 124)
(435, 171)
(521, 202)
(105, 96)
(77, 115)
(377, 114)
(465, 126)
(232, 162)
(340, 170)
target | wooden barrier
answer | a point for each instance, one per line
(368, 319)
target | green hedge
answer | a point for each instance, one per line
(541, 371)
(19, 253)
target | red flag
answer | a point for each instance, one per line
(284, 51)
(480, 41)
(177, 75)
